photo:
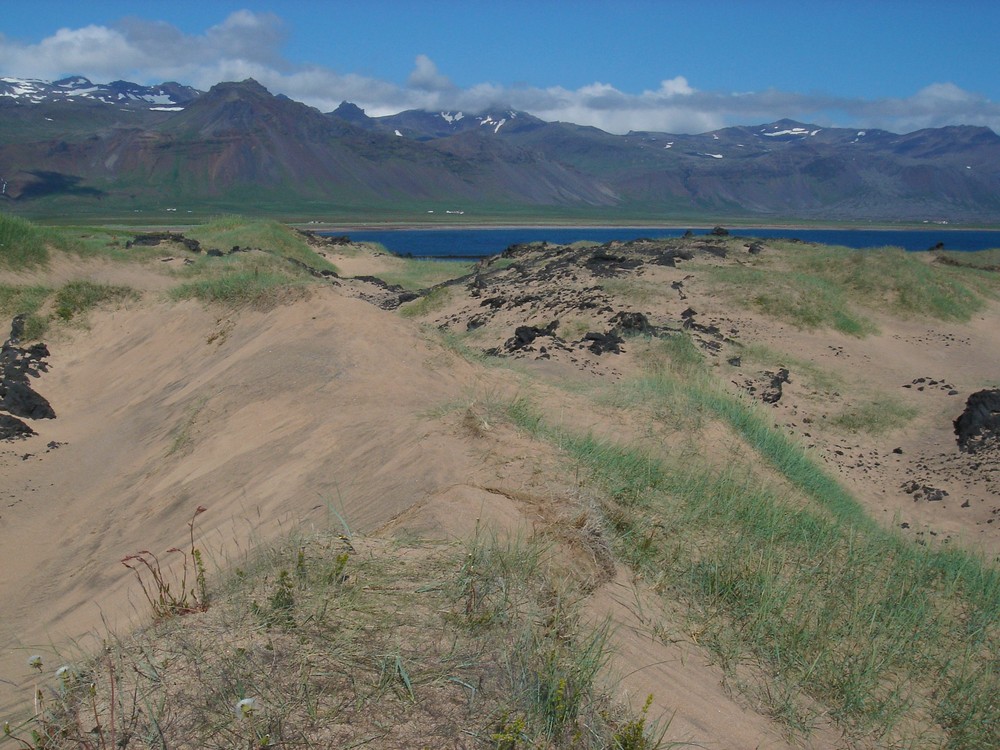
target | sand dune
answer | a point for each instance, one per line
(330, 408)
(265, 418)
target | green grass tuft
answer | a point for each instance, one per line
(875, 417)
(241, 287)
(78, 297)
(68, 303)
(28, 301)
(22, 244)
(434, 300)
(415, 274)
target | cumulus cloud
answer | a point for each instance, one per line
(676, 87)
(153, 51)
(248, 44)
(425, 76)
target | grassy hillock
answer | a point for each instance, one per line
(836, 287)
(22, 244)
(276, 264)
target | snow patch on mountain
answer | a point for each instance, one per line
(791, 131)
(488, 120)
(169, 97)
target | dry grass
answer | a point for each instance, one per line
(329, 641)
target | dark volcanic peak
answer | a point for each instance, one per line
(246, 107)
(352, 113)
(248, 89)
(168, 96)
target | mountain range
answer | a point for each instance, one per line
(72, 145)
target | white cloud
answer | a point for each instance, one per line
(95, 48)
(676, 87)
(248, 44)
(425, 76)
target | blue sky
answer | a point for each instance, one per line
(673, 66)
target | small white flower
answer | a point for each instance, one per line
(246, 707)
(64, 672)
(35, 662)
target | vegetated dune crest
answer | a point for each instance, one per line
(330, 410)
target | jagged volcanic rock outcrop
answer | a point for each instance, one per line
(551, 302)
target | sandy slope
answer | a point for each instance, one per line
(271, 419)
(263, 418)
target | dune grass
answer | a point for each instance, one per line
(97, 242)
(981, 259)
(275, 238)
(76, 298)
(42, 305)
(415, 274)
(894, 280)
(28, 301)
(815, 377)
(802, 299)
(894, 641)
(833, 287)
(779, 567)
(326, 640)
(277, 270)
(875, 416)
(260, 279)
(257, 280)
(980, 271)
(242, 287)
(22, 244)
(434, 300)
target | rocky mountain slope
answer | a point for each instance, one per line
(75, 143)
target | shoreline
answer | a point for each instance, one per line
(415, 227)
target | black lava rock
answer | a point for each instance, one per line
(601, 343)
(979, 425)
(634, 323)
(12, 428)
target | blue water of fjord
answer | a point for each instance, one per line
(480, 243)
